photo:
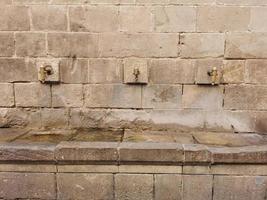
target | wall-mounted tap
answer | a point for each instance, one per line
(214, 75)
(136, 73)
(45, 71)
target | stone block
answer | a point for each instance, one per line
(133, 187)
(256, 71)
(151, 152)
(222, 18)
(49, 18)
(202, 45)
(7, 47)
(72, 45)
(138, 45)
(150, 169)
(7, 93)
(196, 153)
(174, 19)
(202, 97)
(30, 44)
(85, 186)
(32, 95)
(87, 152)
(114, 96)
(67, 95)
(257, 16)
(74, 70)
(17, 70)
(245, 97)
(94, 19)
(246, 45)
(168, 187)
(197, 187)
(261, 126)
(239, 187)
(54, 118)
(171, 71)
(196, 170)
(27, 185)
(233, 71)
(14, 18)
(15, 152)
(105, 71)
(136, 19)
(33, 168)
(162, 96)
(130, 65)
(87, 168)
(8, 134)
(241, 170)
(242, 2)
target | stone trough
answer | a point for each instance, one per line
(132, 164)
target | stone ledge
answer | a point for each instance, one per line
(115, 153)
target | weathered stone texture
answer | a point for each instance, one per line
(94, 19)
(27, 185)
(118, 96)
(7, 95)
(67, 95)
(14, 18)
(256, 71)
(85, 186)
(7, 45)
(201, 45)
(133, 187)
(72, 44)
(168, 187)
(139, 45)
(221, 19)
(30, 44)
(32, 95)
(49, 18)
(238, 187)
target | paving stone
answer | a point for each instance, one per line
(27, 185)
(85, 186)
(168, 187)
(133, 187)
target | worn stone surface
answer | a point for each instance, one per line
(256, 71)
(68, 95)
(134, 187)
(162, 96)
(27, 185)
(103, 71)
(30, 44)
(237, 187)
(7, 134)
(49, 18)
(7, 47)
(233, 71)
(7, 99)
(168, 187)
(197, 187)
(118, 96)
(85, 186)
(32, 95)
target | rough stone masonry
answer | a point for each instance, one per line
(94, 39)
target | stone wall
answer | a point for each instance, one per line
(93, 40)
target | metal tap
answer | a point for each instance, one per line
(44, 72)
(136, 73)
(214, 75)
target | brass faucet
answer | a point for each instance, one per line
(136, 73)
(44, 72)
(214, 75)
